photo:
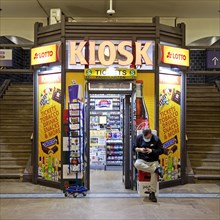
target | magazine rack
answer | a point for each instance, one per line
(75, 147)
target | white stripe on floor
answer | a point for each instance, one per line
(107, 195)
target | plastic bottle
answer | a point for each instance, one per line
(39, 167)
(142, 117)
(49, 167)
(46, 168)
(170, 165)
(56, 169)
(43, 169)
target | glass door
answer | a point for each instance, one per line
(104, 113)
(128, 140)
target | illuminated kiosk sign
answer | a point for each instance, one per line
(44, 54)
(176, 56)
(123, 49)
(110, 73)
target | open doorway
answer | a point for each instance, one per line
(109, 138)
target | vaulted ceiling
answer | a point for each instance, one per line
(97, 9)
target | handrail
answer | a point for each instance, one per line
(4, 86)
(32, 136)
(217, 83)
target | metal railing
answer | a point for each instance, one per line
(4, 87)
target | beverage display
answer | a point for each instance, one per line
(142, 117)
(170, 164)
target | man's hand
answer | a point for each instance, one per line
(148, 150)
(145, 150)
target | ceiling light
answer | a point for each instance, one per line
(110, 11)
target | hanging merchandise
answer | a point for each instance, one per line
(75, 148)
(142, 116)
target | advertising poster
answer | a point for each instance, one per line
(74, 87)
(145, 102)
(103, 104)
(74, 92)
(169, 123)
(49, 130)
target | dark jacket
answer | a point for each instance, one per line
(155, 144)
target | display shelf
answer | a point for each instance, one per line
(110, 141)
(114, 147)
(114, 161)
(114, 153)
(109, 107)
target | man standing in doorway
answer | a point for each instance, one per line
(149, 147)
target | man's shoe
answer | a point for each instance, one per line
(152, 197)
(159, 171)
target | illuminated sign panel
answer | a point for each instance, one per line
(110, 73)
(213, 59)
(176, 56)
(120, 53)
(5, 57)
(44, 54)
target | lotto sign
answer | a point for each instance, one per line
(44, 54)
(174, 55)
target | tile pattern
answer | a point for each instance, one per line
(99, 207)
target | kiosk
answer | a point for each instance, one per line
(127, 76)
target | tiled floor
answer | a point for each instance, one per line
(107, 199)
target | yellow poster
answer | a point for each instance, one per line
(74, 92)
(169, 124)
(146, 101)
(49, 127)
(75, 83)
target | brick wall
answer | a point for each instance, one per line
(198, 63)
(197, 60)
(21, 60)
(195, 79)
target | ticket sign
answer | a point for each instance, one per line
(110, 73)
(176, 56)
(44, 54)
